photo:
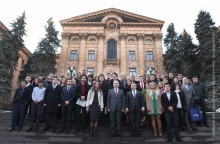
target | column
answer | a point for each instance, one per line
(100, 53)
(123, 56)
(64, 54)
(158, 52)
(82, 52)
(141, 60)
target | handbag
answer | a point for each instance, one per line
(195, 113)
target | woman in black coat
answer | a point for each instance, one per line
(181, 107)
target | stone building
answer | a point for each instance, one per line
(111, 40)
(24, 53)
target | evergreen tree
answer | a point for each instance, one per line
(204, 28)
(26, 70)
(207, 36)
(170, 42)
(185, 54)
(44, 57)
(11, 42)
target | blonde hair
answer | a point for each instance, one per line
(150, 90)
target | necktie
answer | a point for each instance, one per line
(68, 88)
(116, 92)
(54, 86)
(142, 86)
(133, 93)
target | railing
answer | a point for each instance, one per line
(111, 61)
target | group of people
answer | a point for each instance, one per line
(155, 102)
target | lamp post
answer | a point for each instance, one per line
(71, 71)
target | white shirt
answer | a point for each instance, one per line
(168, 95)
(179, 105)
(38, 94)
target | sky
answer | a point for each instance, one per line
(182, 13)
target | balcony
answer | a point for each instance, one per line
(111, 61)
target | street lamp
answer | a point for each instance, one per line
(71, 71)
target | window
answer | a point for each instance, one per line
(91, 55)
(73, 55)
(112, 49)
(92, 40)
(131, 40)
(75, 40)
(132, 71)
(150, 56)
(148, 41)
(90, 71)
(132, 55)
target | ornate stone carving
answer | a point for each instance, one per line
(123, 36)
(83, 35)
(65, 36)
(158, 36)
(140, 35)
(100, 35)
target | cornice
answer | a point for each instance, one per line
(105, 24)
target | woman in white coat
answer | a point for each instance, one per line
(94, 105)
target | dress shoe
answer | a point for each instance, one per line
(118, 134)
(29, 129)
(169, 140)
(19, 129)
(11, 129)
(68, 131)
(36, 129)
(194, 129)
(53, 130)
(77, 130)
(113, 135)
(45, 129)
(179, 140)
(62, 130)
(206, 125)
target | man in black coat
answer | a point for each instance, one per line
(169, 102)
(81, 92)
(67, 97)
(51, 102)
(201, 93)
(19, 103)
(134, 105)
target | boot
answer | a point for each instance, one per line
(94, 132)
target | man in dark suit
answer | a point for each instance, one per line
(134, 105)
(115, 105)
(169, 102)
(67, 97)
(19, 103)
(51, 102)
(141, 85)
(81, 92)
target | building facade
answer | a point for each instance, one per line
(111, 40)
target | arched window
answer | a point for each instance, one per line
(131, 40)
(112, 49)
(75, 40)
(92, 40)
(148, 41)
